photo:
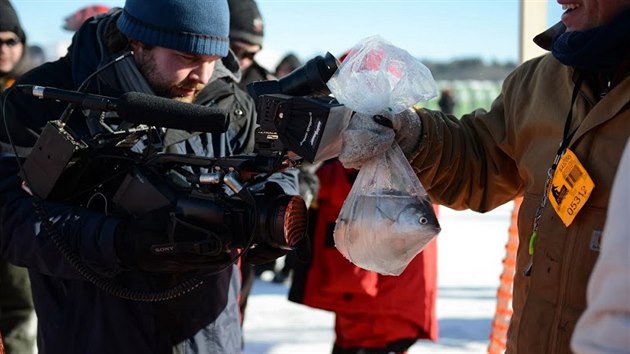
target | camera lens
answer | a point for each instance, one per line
(284, 221)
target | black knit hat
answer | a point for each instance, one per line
(9, 20)
(246, 24)
(291, 61)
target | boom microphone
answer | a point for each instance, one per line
(83, 100)
(141, 108)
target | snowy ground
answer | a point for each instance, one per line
(471, 247)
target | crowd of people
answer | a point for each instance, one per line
(121, 276)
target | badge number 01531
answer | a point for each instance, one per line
(571, 187)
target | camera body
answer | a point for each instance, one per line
(296, 112)
(218, 204)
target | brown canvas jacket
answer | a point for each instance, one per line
(488, 158)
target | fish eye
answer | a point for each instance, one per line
(423, 220)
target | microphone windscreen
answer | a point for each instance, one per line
(141, 108)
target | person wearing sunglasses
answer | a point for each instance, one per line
(16, 304)
(246, 39)
(12, 44)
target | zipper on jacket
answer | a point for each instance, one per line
(566, 266)
(567, 135)
(565, 270)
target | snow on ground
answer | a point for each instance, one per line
(471, 247)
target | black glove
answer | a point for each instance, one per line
(261, 254)
(144, 243)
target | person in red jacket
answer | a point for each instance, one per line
(74, 21)
(373, 313)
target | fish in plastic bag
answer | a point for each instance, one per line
(386, 219)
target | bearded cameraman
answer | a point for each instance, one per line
(176, 47)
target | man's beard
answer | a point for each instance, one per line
(160, 87)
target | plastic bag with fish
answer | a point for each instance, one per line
(387, 218)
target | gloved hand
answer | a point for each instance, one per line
(261, 254)
(144, 243)
(370, 136)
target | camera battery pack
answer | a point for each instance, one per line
(49, 158)
(138, 194)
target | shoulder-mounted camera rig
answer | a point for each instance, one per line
(118, 167)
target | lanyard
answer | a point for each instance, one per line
(566, 136)
(566, 139)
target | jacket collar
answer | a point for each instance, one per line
(545, 39)
(227, 67)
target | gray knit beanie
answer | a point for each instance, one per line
(191, 26)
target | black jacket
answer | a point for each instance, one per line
(74, 315)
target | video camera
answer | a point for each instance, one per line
(117, 165)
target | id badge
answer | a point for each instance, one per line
(571, 187)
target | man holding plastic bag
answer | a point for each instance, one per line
(554, 136)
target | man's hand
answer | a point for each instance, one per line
(369, 136)
(261, 254)
(144, 243)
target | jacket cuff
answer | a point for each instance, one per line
(101, 256)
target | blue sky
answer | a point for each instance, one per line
(428, 29)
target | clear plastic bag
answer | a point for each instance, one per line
(376, 78)
(388, 218)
